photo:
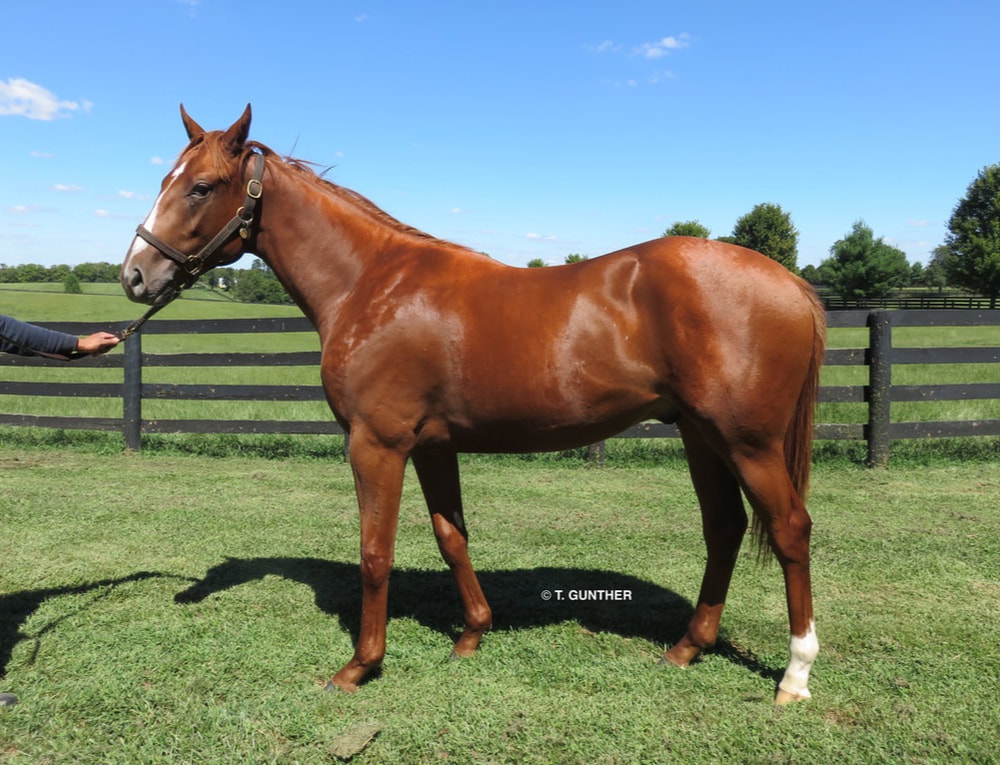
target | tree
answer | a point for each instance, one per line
(71, 285)
(974, 237)
(576, 258)
(536, 263)
(97, 272)
(768, 229)
(936, 273)
(58, 273)
(30, 272)
(260, 285)
(863, 267)
(688, 228)
(812, 274)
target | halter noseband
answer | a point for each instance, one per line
(194, 265)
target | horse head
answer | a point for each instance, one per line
(203, 204)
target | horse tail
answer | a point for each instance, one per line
(798, 437)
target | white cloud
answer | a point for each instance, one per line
(456, 211)
(657, 77)
(26, 99)
(157, 161)
(663, 46)
(608, 46)
(544, 237)
(41, 154)
(102, 213)
(134, 195)
(65, 187)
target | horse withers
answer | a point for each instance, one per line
(430, 349)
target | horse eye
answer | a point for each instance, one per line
(200, 189)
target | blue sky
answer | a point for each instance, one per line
(521, 129)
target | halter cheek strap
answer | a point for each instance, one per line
(194, 265)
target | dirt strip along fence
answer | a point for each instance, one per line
(880, 356)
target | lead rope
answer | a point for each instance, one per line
(165, 298)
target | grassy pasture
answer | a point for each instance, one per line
(164, 608)
(186, 609)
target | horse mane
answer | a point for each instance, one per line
(305, 170)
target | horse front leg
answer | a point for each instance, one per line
(438, 474)
(378, 479)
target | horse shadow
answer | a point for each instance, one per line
(519, 598)
(16, 607)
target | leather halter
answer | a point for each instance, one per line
(194, 265)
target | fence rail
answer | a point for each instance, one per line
(921, 301)
(879, 393)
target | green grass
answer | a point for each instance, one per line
(185, 609)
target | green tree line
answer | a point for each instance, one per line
(864, 266)
(256, 284)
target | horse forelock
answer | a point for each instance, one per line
(222, 163)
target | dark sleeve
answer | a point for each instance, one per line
(23, 338)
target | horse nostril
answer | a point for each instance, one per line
(136, 279)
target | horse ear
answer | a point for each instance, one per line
(192, 127)
(237, 133)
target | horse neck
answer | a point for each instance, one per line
(316, 242)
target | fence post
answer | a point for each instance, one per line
(132, 393)
(879, 387)
(596, 453)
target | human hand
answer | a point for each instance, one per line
(99, 342)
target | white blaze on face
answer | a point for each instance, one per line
(802, 652)
(150, 222)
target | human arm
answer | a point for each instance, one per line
(23, 338)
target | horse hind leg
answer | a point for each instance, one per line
(782, 517)
(438, 476)
(724, 523)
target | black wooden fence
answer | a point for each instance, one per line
(880, 356)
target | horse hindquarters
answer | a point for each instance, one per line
(753, 433)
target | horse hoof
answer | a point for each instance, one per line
(7, 699)
(668, 660)
(332, 687)
(784, 697)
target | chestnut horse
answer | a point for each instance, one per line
(430, 349)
